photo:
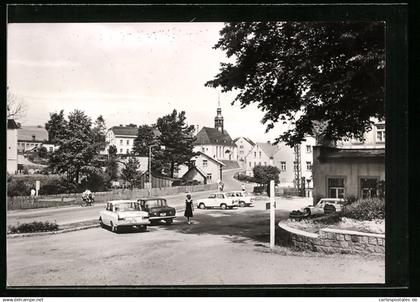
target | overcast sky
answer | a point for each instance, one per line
(128, 73)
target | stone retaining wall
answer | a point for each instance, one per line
(332, 241)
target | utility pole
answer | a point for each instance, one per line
(297, 167)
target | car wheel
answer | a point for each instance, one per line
(307, 212)
(242, 204)
(202, 206)
(223, 206)
(100, 222)
(114, 228)
(143, 228)
(169, 221)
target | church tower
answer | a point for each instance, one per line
(218, 120)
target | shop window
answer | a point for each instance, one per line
(368, 187)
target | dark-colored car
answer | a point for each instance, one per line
(158, 210)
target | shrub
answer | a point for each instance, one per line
(244, 177)
(365, 209)
(19, 187)
(57, 186)
(97, 182)
(32, 227)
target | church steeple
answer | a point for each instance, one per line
(218, 120)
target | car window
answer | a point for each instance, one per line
(220, 196)
(128, 206)
(230, 194)
(212, 196)
(239, 194)
(163, 202)
(152, 203)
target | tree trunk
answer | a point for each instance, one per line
(172, 169)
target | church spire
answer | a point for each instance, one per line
(218, 120)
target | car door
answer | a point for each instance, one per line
(106, 214)
(211, 201)
(220, 198)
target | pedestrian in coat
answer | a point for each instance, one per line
(188, 208)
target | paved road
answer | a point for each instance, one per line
(73, 214)
(221, 247)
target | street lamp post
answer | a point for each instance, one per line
(150, 168)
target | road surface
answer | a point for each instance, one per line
(221, 247)
(74, 214)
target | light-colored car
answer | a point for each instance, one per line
(218, 200)
(245, 198)
(124, 213)
(318, 209)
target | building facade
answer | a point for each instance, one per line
(30, 137)
(375, 138)
(244, 146)
(12, 146)
(340, 173)
(204, 169)
(216, 142)
(122, 137)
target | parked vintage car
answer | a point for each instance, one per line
(318, 209)
(245, 198)
(218, 200)
(158, 209)
(123, 213)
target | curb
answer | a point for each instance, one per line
(53, 232)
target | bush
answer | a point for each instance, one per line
(36, 226)
(244, 177)
(19, 187)
(58, 186)
(97, 182)
(365, 209)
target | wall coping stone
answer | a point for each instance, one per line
(296, 231)
(348, 232)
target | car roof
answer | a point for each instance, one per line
(147, 199)
(121, 201)
(332, 199)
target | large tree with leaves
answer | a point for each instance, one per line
(307, 74)
(56, 126)
(177, 138)
(78, 148)
(145, 138)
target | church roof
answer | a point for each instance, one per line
(211, 136)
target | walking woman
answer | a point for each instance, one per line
(188, 208)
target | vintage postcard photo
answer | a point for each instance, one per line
(195, 153)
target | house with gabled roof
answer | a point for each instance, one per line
(216, 142)
(204, 168)
(121, 137)
(244, 146)
(31, 137)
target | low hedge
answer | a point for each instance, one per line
(33, 227)
(365, 209)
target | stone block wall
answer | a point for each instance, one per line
(334, 241)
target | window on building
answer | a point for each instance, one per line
(250, 164)
(260, 154)
(205, 162)
(255, 154)
(202, 149)
(283, 166)
(241, 147)
(128, 142)
(336, 187)
(33, 137)
(308, 166)
(241, 152)
(380, 133)
(308, 148)
(255, 163)
(208, 176)
(121, 141)
(265, 163)
(121, 151)
(368, 187)
(127, 151)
